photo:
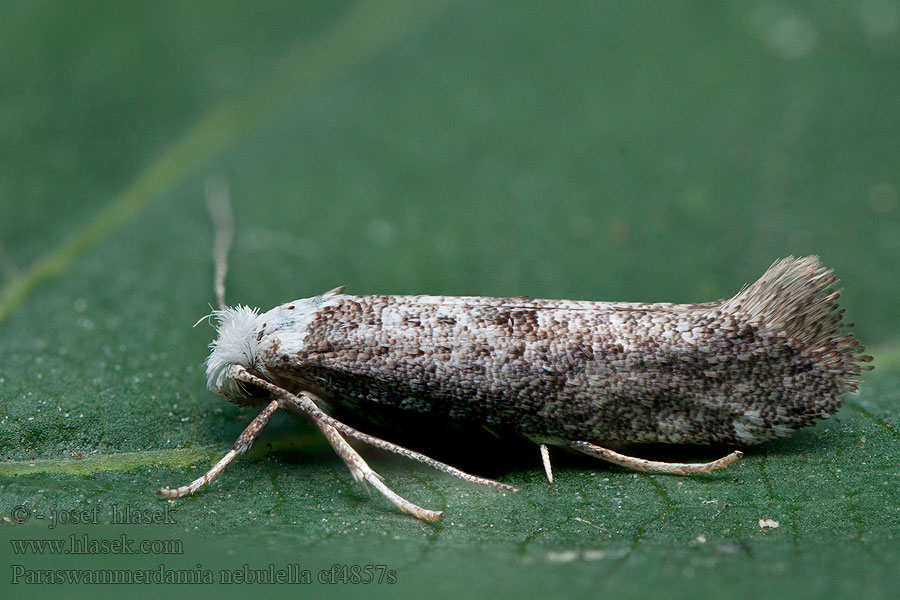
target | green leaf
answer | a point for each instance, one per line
(607, 151)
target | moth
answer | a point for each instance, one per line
(580, 375)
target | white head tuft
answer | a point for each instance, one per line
(235, 345)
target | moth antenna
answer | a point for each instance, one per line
(219, 207)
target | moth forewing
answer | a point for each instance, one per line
(734, 372)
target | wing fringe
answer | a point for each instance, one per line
(796, 299)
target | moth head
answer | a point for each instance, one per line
(235, 345)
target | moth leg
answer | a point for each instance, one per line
(304, 403)
(364, 474)
(545, 458)
(405, 452)
(242, 445)
(640, 464)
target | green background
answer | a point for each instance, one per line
(605, 150)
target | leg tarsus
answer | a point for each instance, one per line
(545, 458)
(640, 464)
(364, 474)
(242, 445)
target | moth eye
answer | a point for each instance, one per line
(252, 391)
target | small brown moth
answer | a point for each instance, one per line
(577, 374)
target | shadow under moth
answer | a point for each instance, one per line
(577, 374)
